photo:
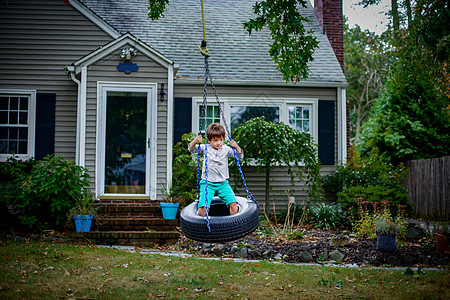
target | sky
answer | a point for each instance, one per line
(372, 17)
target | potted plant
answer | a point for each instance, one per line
(169, 204)
(83, 212)
(387, 230)
(442, 236)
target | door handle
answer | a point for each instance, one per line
(148, 142)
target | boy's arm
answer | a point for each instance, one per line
(239, 151)
(197, 140)
(234, 145)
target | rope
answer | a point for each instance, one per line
(208, 74)
(204, 51)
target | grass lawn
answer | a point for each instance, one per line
(44, 270)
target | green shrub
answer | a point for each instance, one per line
(184, 174)
(44, 193)
(374, 193)
(368, 178)
(326, 215)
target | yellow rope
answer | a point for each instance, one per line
(203, 50)
(203, 19)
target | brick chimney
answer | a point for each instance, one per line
(331, 21)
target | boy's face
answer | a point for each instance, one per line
(216, 142)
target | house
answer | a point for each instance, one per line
(99, 83)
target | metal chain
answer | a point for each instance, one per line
(208, 75)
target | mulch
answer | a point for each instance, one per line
(420, 251)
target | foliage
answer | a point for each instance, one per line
(386, 225)
(83, 205)
(45, 194)
(269, 144)
(156, 8)
(373, 218)
(184, 172)
(373, 193)
(292, 46)
(367, 59)
(368, 178)
(411, 118)
(326, 215)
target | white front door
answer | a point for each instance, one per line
(127, 138)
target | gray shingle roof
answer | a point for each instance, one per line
(234, 54)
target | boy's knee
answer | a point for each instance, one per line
(233, 208)
(201, 211)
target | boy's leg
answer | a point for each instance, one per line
(225, 192)
(201, 203)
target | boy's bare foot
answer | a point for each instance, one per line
(201, 211)
(233, 208)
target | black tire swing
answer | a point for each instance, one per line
(218, 225)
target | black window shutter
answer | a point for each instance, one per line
(183, 118)
(45, 125)
(326, 132)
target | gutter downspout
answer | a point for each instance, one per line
(77, 147)
(169, 126)
(81, 115)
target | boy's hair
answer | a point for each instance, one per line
(215, 130)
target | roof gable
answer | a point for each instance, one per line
(125, 40)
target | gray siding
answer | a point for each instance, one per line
(37, 40)
(149, 72)
(280, 179)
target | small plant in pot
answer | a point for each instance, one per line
(443, 236)
(169, 204)
(83, 211)
(387, 229)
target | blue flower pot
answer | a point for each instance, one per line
(169, 210)
(386, 243)
(83, 222)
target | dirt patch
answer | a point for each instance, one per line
(316, 242)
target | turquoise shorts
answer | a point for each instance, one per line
(222, 189)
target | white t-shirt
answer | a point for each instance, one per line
(217, 161)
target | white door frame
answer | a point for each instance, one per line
(151, 133)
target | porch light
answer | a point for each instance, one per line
(162, 93)
(128, 53)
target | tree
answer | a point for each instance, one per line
(270, 144)
(292, 48)
(367, 58)
(411, 120)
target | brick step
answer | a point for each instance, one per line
(132, 224)
(130, 211)
(130, 238)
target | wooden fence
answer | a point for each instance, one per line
(429, 187)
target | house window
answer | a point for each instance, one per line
(299, 113)
(212, 116)
(241, 114)
(16, 124)
(299, 117)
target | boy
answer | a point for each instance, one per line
(218, 154)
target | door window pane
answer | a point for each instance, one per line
(241, 114)
(125, 161)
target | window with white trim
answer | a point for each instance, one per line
(212, 116)
(17, 124)
(300, 117)
(299, 113)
